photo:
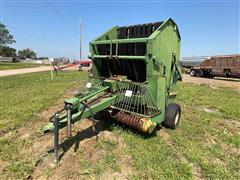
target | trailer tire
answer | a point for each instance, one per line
(172, 116)
(227, 72)
(192, 72)
(200, 73)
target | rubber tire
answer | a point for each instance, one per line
(227, 73)
(193, 72)
(200, 73)
(171, 112)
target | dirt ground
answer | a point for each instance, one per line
(213, 83)
(30, 70)
(86, 144)
(24, 71)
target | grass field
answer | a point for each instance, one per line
(206, 145)
(7, 66)
(23, 96)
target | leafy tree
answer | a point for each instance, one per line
(27, 53)
(7, 51)
(5, 37)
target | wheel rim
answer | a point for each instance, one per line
(176, 118)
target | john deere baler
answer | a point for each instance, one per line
(135, 70)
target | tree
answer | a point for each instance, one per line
(26, 53)
(5, 37)
(42, 58)
(7, 51)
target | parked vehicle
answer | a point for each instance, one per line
(221, 66)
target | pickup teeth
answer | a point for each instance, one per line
(142, 124)
(136, 98)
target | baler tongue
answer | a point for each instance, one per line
(125, 97)
(94, 97)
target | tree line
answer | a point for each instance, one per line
(7, 39)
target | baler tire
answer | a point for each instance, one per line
(172, 116)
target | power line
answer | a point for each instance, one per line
(57, 12)
(27, 33)
(64, 20)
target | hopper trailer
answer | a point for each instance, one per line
(135, 71)
(218, 66)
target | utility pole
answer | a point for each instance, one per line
(81, 53)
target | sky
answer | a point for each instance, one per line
(51, 28)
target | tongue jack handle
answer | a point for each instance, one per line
(69, 107)
(56, 136)
(69, 123)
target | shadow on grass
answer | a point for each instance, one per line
(105, 123)
(89, 132)
(81, 135)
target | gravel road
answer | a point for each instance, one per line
(23, 71)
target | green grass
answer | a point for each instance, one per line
(107, 160)
(7, 66)
(12, 152)
(208, 142)
(23, 97)
(154, 159)
(205, 145)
